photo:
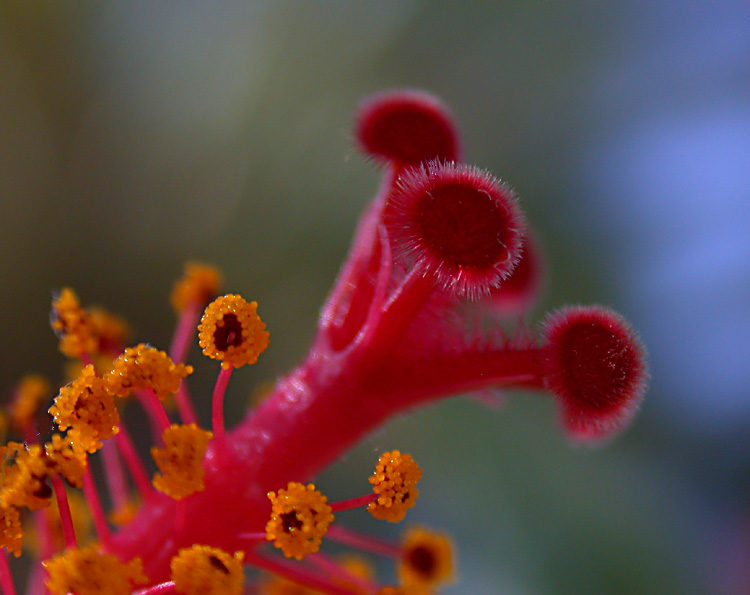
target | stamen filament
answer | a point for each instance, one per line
(114, 474)
(335, 569)
(363, 542)
(133, 462)
(184, 332)
(63, 507)
(185, 405)
(353, 503)
(218, 404)
(156, 407)
(297, 573)
(95, 506)
(86, 359)
(5, 577)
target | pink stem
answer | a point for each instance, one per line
(159, 589)
(184, 332)
(5, 578)
(86, 359)
(363, 542)
(95, 506)
(35, 583)
(217, 406)
(114, 474)
(162, 419)
(298, 574)
(64, 509)
(185, 405)
(340, 573)
(137, 471)
(353, 503)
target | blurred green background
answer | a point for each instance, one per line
(137, 135)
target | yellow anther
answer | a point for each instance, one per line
(24, 480)
(181, 460)
(300, 517)
(395, 482)
(86, 571)
(73, 325)
(112, 331)
(31, 392)
(63, 458)
(426, 559)
(232, 332)
(204, 570)
(11, 532)
(199, 283)
(86, 406)
(143, 367)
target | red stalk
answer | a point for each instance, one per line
(5, 578)
(95, 506)
(137, 471)
(217, 407)
(64, 508)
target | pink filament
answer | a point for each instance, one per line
(353, 503)
(114, 474)
(64, 508)
(217, 407)
(5, 578)
(129, 454)
(363, 542)
(95, 506)
(296, 573)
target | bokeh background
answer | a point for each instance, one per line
(136, 135)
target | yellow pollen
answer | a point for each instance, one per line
(204, 570)
(199, 283)
(231, 331)
(143, 367)
(181, 460)
(63, 458)
(86, 571)
(24, 481)
(73, 325)
(426, 559)
(86, 406)
(299, 519)
(11, 535)
(30, 393)
(394, 481)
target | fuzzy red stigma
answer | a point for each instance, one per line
(458, 223)
(597, 369)
(406, 127)
(518, 292)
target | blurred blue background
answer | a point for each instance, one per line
(136, 135)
